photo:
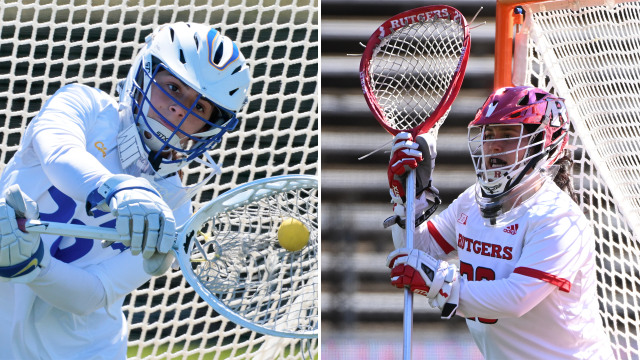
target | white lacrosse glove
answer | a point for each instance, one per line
(422, 274)
(407, 155)
(22, 255)
(143, 220)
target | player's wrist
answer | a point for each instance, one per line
(102, 195)
(426, 205)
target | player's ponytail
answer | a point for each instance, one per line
(564, 179)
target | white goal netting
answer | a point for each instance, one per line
(46, 44)
(589, 53)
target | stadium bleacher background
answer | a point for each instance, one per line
(361, 312)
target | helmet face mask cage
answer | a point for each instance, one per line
(191, 146)
(513, 163)
(511, 160)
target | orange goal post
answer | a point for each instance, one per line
(588, 52)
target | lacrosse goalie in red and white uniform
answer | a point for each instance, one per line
(527, 276)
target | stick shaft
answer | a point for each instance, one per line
(408, 295)
(72, 230)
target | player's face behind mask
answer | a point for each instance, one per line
(175, 109)
(503, 154)
(202, 59)
(176, 123)
(501, 151)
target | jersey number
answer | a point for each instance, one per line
(481, 273)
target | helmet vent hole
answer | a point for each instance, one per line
(524, 101)
(540, 96)
(236, 70)
(182, 60)
(218, 55)
(171, 32)
(232, 92)
(195, 38)
(515, 115)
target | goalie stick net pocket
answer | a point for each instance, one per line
(413, 66)
(233, 250)
(587, 52)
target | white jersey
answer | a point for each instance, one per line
(540, 301)
(67, 151)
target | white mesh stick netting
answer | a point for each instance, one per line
(237, 257)
(46, 44)
(588, 52)
(411, 70)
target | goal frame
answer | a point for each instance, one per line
(522, 44)
(505, 22)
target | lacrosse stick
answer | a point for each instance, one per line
(229, 253)
(411, 72)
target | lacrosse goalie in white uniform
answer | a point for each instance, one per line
(527, 279)
(85, 159)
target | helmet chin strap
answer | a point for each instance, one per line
(154, 127)
(515, 181)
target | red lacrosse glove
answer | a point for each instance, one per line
(424, 275)
(405, 156)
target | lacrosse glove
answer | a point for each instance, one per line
(407, 155)
(143, 220)
(422, 274)
(22, 254)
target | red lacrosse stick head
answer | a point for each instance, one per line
(413, 67)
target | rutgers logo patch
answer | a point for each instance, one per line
(463, 219)
(511, 229)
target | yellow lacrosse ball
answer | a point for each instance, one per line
(293, 235)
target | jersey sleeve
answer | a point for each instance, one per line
(557, 249)
(496, 299)
(83, 291)
(437, 237)
(58, 137)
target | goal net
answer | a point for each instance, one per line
(588, 51)
(46, 44)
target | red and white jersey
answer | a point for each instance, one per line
(528, 288)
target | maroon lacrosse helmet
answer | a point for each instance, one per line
(528, 105)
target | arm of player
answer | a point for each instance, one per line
(58, 138)
(428, 238)
(23, 259)
(420, 155)
(504, 298)
(83, 291)
(407, 155)
(438, 236)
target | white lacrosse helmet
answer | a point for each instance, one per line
(541, 124)
(207, 62)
